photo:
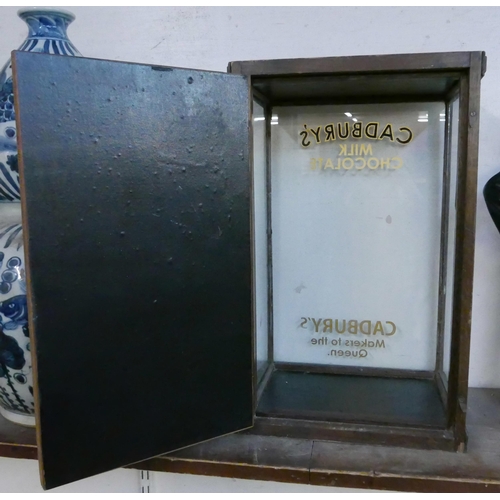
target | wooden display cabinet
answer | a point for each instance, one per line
(285, 250)
(367, 213)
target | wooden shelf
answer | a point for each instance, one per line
(250, 456)
(17, 441)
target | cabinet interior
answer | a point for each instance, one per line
(298, 124)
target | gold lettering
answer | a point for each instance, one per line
(328, 164)
(378, 328)
(387, 132)
(399, 162)
(353, 327)
(356, 130)
(363, 164)
(371, 130)
(385, 162)
(393, 327)
(337, 326)
(316, 324)
(344, 135)
(408, 139)
(368, 331)
(316, 134)
(304, 138)
(344, 163)
(327, 325)
(366, 150)
(330, 132)
(358, 163)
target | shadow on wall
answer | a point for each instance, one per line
(485, 347)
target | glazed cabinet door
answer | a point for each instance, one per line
(136, 214)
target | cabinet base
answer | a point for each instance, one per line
(400, 412)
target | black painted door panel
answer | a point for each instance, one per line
(136, 211)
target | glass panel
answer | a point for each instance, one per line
(452, 217)
(260, 238)
(356, 221)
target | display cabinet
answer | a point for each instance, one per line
(285, 249)
(365, 245)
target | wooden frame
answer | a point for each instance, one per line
(285, 82)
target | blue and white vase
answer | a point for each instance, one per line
(16, 380)
(47, 33)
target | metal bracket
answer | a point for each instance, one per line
(145, 482)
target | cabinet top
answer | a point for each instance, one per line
(438, 61)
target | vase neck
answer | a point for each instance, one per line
(46, 23)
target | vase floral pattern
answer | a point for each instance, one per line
(47, 34)
(16, 386)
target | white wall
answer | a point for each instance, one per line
(21, 476)
(208, 38)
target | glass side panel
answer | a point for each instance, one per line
(452, 217)
(356, 221)
(260, 238)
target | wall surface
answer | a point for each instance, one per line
(208, 38)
